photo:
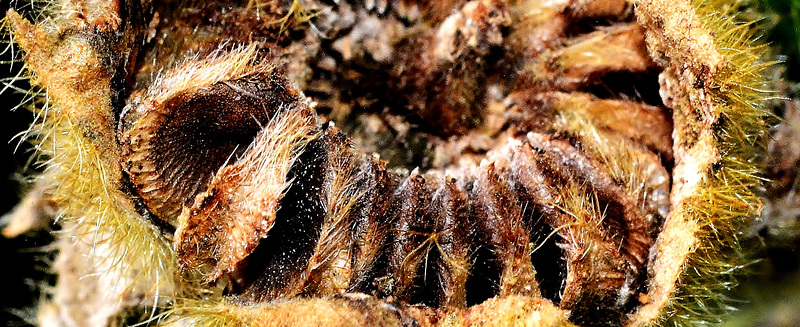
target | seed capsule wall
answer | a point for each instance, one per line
(395, 162)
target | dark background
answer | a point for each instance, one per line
(23, 259)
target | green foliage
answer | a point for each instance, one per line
(784, 16)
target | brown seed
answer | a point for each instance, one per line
(177, 134)
(226, 223)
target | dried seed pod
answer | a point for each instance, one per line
(643, 123)
(329, 268)
(178, 133)
(614, 49)
(453, 241)
(595, 241)
(499, 217)
(595, 201)
(369, 232)
(226, 222)
(412, 237)
(454, 56)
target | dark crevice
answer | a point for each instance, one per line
(274, 267)
(548, 260)
(587, 25)
(614, 217)
(583, 20)
(371, 214)
(628, 86)
(484, 279)
(126, 187)
(426, 286)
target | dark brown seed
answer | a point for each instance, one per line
(499, 217)
(412, 240)
(330, 267)
(370, 232)
(447, 61)
(453, 238)
(228, 221)
(181, 137)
